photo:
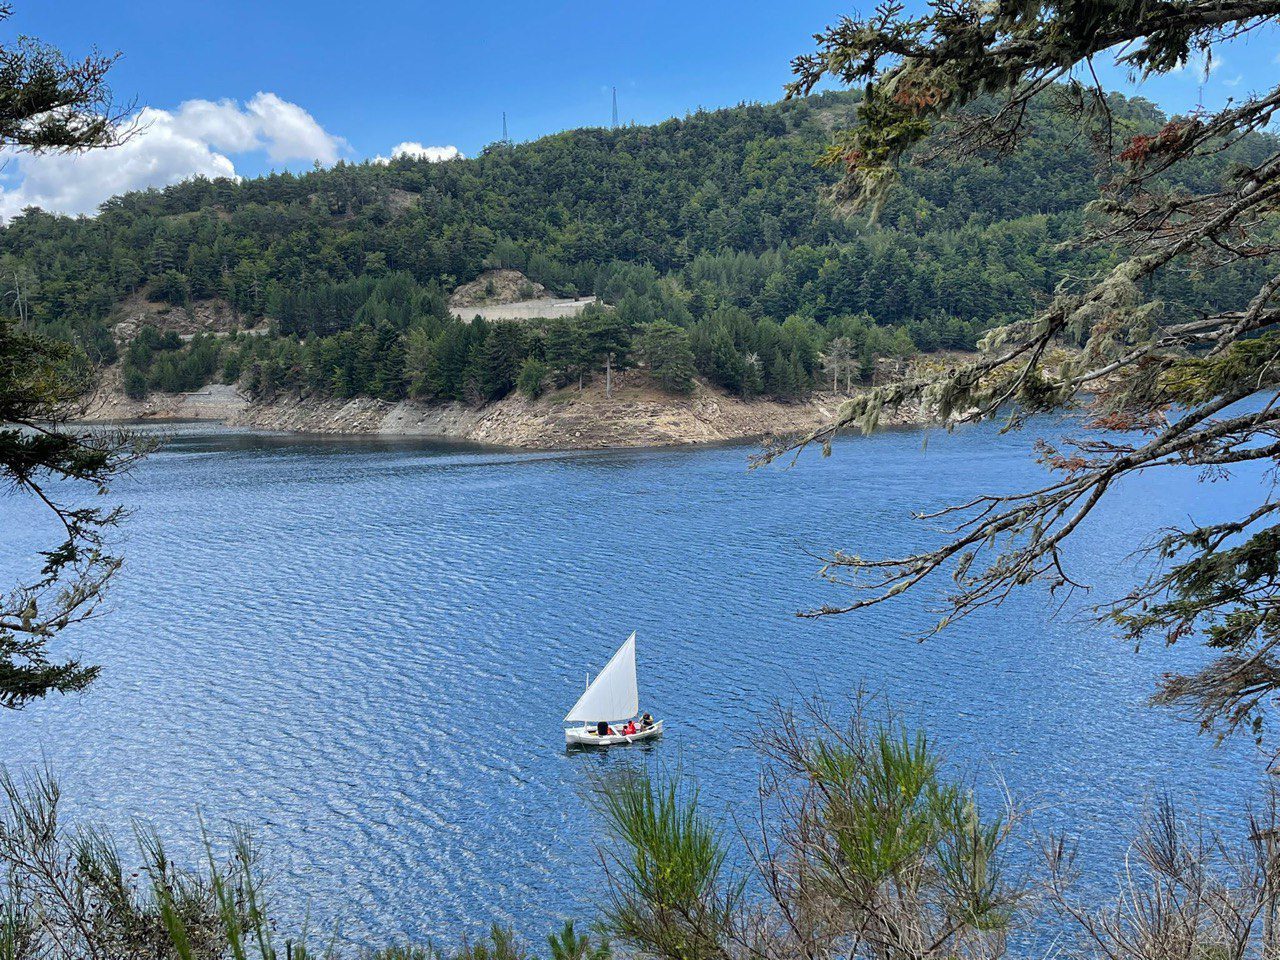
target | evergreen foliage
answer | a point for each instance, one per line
(1176, 311)
(532, 380)
(40, 378)
(49, 103)
(870, 850)
(664, 347)
(714, 223)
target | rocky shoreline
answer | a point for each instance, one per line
(636, 415)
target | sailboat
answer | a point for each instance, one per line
(611, 698)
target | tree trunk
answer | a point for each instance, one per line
(608, 376)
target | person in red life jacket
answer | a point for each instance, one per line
(629, 729)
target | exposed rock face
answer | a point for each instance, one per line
(510, 295)
(497, 286)
(637, 415)
(200, 316)
(217, 401)
(566, 420)
(400, 201)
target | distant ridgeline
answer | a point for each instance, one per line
(706, 238)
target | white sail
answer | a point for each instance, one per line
(613, 694)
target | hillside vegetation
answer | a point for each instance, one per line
(706, 237)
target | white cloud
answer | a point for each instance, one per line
(290, 133)
(170, 146)
(411, 148)
(1200, 65)
(223, 125)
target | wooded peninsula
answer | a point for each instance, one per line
(701, 257)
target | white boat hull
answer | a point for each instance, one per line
(587, 737)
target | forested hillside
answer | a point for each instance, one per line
(707, 237)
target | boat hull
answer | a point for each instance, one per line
(579, 737)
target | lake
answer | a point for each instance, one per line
(365, 648)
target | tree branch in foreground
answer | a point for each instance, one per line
(1154, 384)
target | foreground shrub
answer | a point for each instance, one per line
(67, 895)
(872, 852)
(864, 848)
(502, 944)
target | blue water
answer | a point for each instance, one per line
(365, 649)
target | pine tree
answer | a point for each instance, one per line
(781, 381)
(727, 367)
(664, 347)
(566, 349)
(753, 376)
(420, 363)
(504, 351)
(606, 340)
(533, 377)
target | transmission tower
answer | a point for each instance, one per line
(615, 109)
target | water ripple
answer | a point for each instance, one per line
(365, 649)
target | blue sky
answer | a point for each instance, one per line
(442, 72)
(353, 81)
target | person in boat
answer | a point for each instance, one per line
(630, 729)
(603, 729)
(646, 721)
